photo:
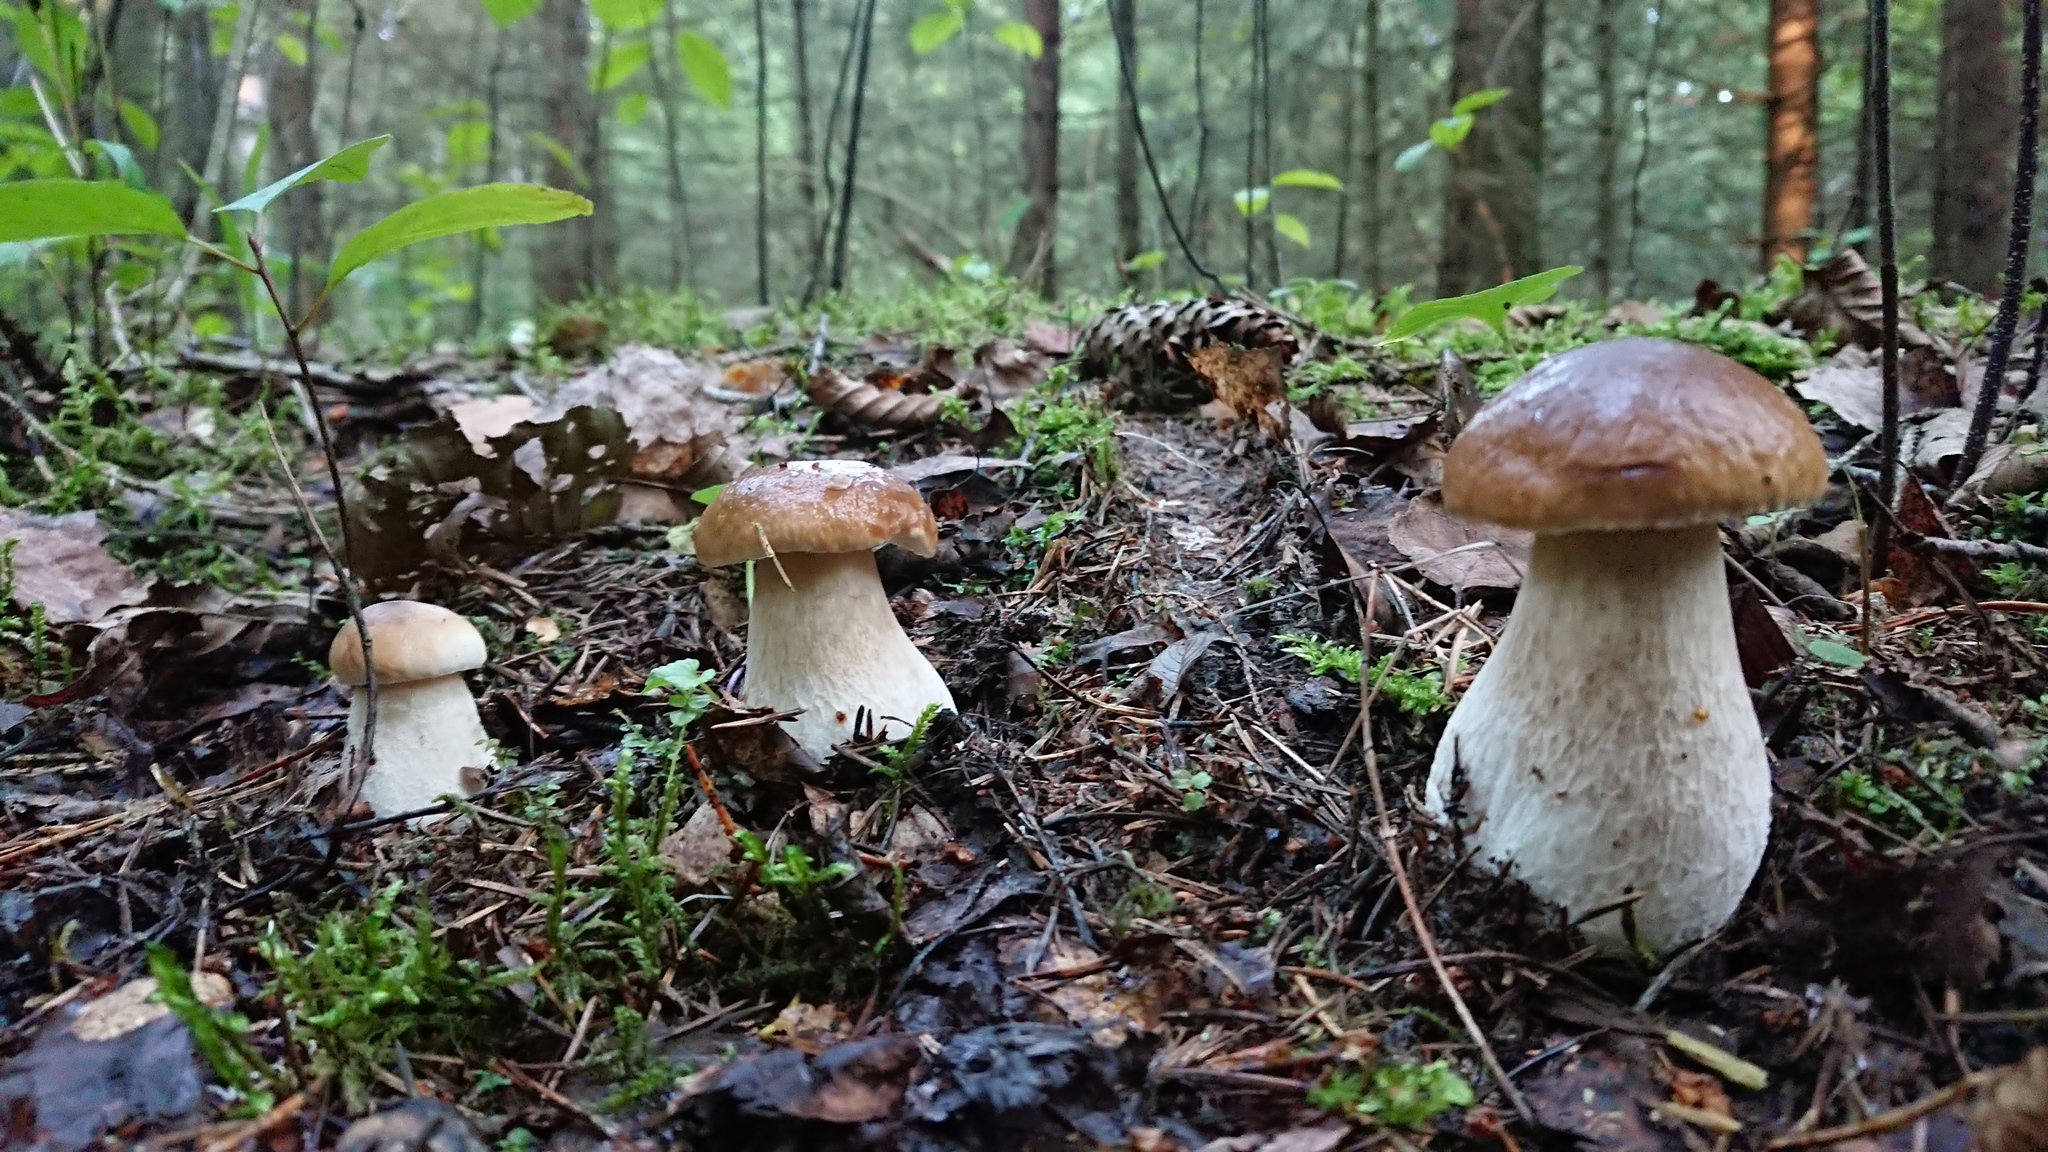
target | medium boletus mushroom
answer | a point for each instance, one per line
(1608, 751)
(820, 634)
(429, 742)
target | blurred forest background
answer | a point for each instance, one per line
(1654, 143)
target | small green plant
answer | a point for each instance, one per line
(1258, 587)
(891, 761)
(1920, 789)
(1415, 693)
(1402, 1094)
(1145, 899)
(1051, 420)
(368, 979)
(1193, 788)
(789, 869)
(635, 1063)
(2010, 578)
(221, 1037)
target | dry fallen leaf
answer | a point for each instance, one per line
(2011, 1114)
(58, 562)
(1455, 554)
(484, 417)
(680, 433)
(700, 850)
(808, 1028)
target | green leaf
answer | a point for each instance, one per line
(705, 68)
(935, 28)
(625, 15)
(1145, 261)
(123, 160)
(1412, 156)
(488, 206)
(563, 158)
(1834, 653)
(140, 124)
(506, 13)
(292, 48)
(632, 108)
(224, 18)
(1308, 178)
(469, 143)
(1450, 132)
(1490, 305)
(619, 65)
(49, 209)
(347, 166)
(1292, 228)
(331, 39)
(702, 496)
(1474, 101)
(1251, 201)
(1022, 39)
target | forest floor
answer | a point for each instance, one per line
(1165, 881)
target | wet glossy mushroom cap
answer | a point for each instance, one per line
(1633, 434)
(820, 506)
(411, 641)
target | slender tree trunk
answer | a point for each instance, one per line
(1348, 142)
(1858, 215)
(806, 132)
(1198, 220)
(1606, 150)
(480, 255)
(1492, 206)
(1130, 223)
(1032, 250)
(682, 236)
(567, 258)
(1792, 145)
(1375, 275)
(761, 151)
(849, 180)
(190, 103)
(1973, 135)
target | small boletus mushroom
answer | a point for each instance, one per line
(429, 741)
(1608, 751)
(820, 634)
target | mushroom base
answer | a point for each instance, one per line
(1609, 746)
(827, 643)
(429, 743)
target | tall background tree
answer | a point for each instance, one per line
(1973, 138)
(1492, 201)
(1792, 134)
(1033, 254)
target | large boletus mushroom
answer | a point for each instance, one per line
(1608, 752)
(429, 741)
(820, 634)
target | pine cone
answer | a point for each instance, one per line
(1148, 344)
(2012, 1112)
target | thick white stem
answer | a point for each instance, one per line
(827, 642)
(428, 735)
(1609, 747)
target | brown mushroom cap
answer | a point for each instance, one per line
(411, 641)
(1633, 434)
(824, 506)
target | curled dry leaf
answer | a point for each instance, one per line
(1249, 381)
(1455, 554)
(848, 1083)
(416, 1125)
(871, 406)
(699, 851)
(2011, 1114)
(1842, 296)
(483, 417)
(681, 433)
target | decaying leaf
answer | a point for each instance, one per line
(99, 1064)
(849, 1083)
(1852, 384)
(1456, 554)
(2005, 469)
(871, 406)
(1249, 381)
(1110, 1002)
(1842, 296)
(808, 1028)
(483, 417)
(700, 851)
(59, 563)
(1920, 571)
(416, 1125)
(429, 496)
(681, 433)
(2011, 1114)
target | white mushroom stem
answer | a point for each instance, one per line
(429, 743)
(825, 641)
(1609, 746)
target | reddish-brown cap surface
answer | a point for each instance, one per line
(814, 506)
(410, 641)
(1633, 434)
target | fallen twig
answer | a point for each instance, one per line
(1886, 1121)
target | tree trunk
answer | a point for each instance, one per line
(1130, 239)
(293, 145)
(1606, 151)
(806, 133)
(1031, 251)
(1492, 205)
(480, 254)
(682, 235)
(190, 101)
(1792, 145)
(1374, 159)
(1858, 214)
(1347, 134)
(569, 259)
(1975, 123)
